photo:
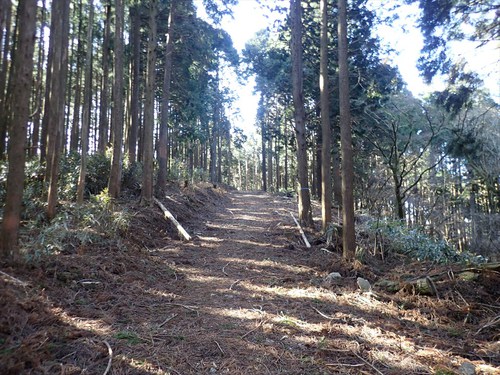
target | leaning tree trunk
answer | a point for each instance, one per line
(304, 204)
(348, 230)
(19, 98)
(326, 175)
(114, 184)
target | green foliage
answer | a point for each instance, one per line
(69, 171)
(96, 179)
(132, 176)
(75, 225)
(130, 337)
(414, 242)
(98, 169)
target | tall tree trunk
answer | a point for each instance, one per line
(19, 98)
(304, 204)
(135, 20)
(316, 156)
(348, 230)
(167, 76)
(326, 175)
(114, 184)
(263, 130)
(5, 22)
(285, 185)
(35, 138)
(147, 177)
(87, 97)
(55, 118)
(398, 194)
(336, 174)
(75, 128)
(219, 155)
(103, 106)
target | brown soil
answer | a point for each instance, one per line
(244, 297)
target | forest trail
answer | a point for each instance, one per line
(244, 297)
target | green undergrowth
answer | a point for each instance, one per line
(97, 221)
(392, 236)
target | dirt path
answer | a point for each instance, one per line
(244, 297)
(247, 298)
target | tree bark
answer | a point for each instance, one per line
(114, 184)
(263, 130)
(55, 118)
(5, 20)
(87, 98)
(75, 128)
(135, 21)
(167, 77)
(326, 175)
(38, 100)
(19, 99)
(304, 202)
(103, 106)
(348, 232)
(147, 177)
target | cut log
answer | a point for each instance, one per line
(168, 215)
(301, 231)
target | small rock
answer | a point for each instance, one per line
(332, 279)
(364, 285)
(467, 368)
(333, 275)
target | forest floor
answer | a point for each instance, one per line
(245, 296)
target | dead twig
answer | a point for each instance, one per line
(110, 353)
(222, 351)
(174, 370)
(191, 308)
(345, 364)
(223, 269)
(368, 363)
(233, 284)
(255, 329)
(323, 314)
(168, 320)
(493, 322)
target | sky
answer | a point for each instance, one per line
(249, 17)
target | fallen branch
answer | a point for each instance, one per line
(224, 272)
(345, 364)
(167, 320)
(368, 363)
(222, 351)
(495, 321)
(308, 245)
(323, 314)
(171, 217)
(233, 284)
(17, 281)
(110, 353)
(191, 308)
(255, 329)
